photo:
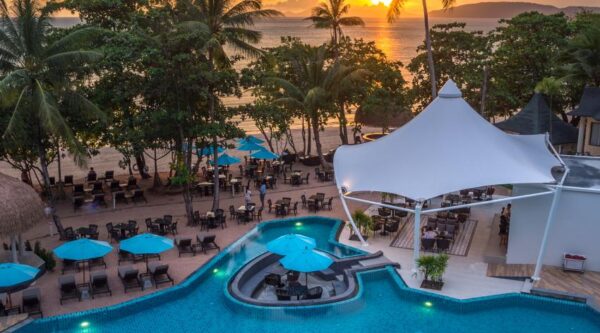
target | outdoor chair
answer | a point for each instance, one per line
(286, 179)
(159, 273)
(31, 302)
(9, 311)
(69, 234)
(98, 187)
(312, 206)
(78, 202)
(120, 197)
(303, 199)
(78, 190)
(259, 214)
(173, 228)
(208, 243)
(115, 186)
(270, 205)
(392, 228)
(96, 262)
(132, 184)
(313, 293)
(99, 284)
(184, 245)
(282, 294)
(68, 288)
(125, 256)
(295, 208)
(109, 175)
(489, 193)
(427, 244)
(69, 265)
(99, 200)
(451, 230)
(68, 181)
(292, 276)
(317, 173)
(129, 276)
(306, 178)
(168, 218)
(52, 181)
(443, 244)
(138, 195)
(274, 280)
(328, 204)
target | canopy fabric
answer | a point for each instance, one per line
(290, 243)
(537, 118)
(83, 249)
(146, 244)
(446, 148)
(264, 154)
(13, 275)
(251, 139)
(227, 160)
(306, 261)
(208, 151)
(589, 106)
(250, 146)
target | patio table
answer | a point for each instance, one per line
(85, 232)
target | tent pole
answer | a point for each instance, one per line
(549, 223)
(356, 231)
(381, 204)
(417, 236)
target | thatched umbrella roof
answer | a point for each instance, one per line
(20, 206)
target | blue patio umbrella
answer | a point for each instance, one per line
(13, 276)
(250, 146)
(83, 249)
(264, 154)
(227, 160)
(208, 151)
(146, 244)
(290, 243)
(251, 139)
(306, 261)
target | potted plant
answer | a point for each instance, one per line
(45, 255)
(433, 267)
(363, 223)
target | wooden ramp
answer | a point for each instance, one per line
(510, 271)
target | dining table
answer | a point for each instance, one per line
(86, 232)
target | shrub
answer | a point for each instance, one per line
(45, 255)
(433, 266)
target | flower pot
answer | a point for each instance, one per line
(434, 285)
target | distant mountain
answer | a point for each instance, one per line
(505, 10)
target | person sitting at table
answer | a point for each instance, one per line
(430, 233)
(91, 176)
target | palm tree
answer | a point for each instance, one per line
(394, 11)
(37, 83)
(226, 23)
(583, 55)
(317, 88)
(551, 87)
(330, 15)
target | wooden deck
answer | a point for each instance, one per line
(510, 271)
(554, 278)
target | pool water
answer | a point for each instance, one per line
(384, 303)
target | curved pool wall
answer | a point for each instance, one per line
(383, 303)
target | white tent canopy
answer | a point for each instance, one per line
(446, 148)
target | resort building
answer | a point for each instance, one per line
(588, 142)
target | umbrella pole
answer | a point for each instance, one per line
(9, 300)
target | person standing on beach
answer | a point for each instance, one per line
(263, 192)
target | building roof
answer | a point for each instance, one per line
(446, 148)
(589, 106)
(535, 118)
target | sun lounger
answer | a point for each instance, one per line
(208, 243)
(313, 293)
(130, 278)
(184, 245)
(99, 284)
(31, 302)
(68, 288)
(159, 273)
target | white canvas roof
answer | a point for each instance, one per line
(446, 148)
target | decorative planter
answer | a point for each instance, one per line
(354, 237)
(434, 285)
(573, 262)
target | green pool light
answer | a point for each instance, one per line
(216, 270)
(428, 304)
(84, 324)
(298, 224)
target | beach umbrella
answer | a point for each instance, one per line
(227, 160)
(251, 139)
(83, 249)
(13, 276)
(306, 261)
(250, 146)
(208, 151)
(290, 243)
(21, 208)
(146, 244)
(264, 154)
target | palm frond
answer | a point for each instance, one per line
(246, 35)
(352, 21)
(11, 128)
(395, 9)
(69, 59)
(448, 4)
(244, 47)
(75, 39)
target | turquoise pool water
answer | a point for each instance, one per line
(384, 304)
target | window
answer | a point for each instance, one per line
(595, 134)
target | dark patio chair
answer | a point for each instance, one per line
(96, 262)
(31, 302)
(259, 214)
(427, 244)
(274, 280)
(304, 202)
(68, 288)
(99, 284)
(115, 186)
(313, 293)
(121, 197)
(443, 244)
(132, 184)
(392, 228)
(282, 295)
(70, 265)
(270, 205)
(68, 234)
(138, 195)
(78, 190)
(295, 208)
(78, 202)
(328, 204)
(159, 273)
(68, 181)
(109, 175)
(98, 187)
(99, 200)
(208, 243)
(129, 276)
(306, 178)
(286, 179)
(184, 245)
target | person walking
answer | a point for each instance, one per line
(248, 197)
(263, 192)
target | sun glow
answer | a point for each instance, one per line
(383, 2)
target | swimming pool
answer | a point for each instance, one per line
(384, 303)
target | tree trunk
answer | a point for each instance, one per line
(430, 62)
(303, 137)
(157, 181)
(483, 91)
(21, 245)
(13, 248)
(46, 175)
(343, 125)
(140, 160)
(187, 193)
(315, 127)
(309, 139)
(215, 146)
(290, 140)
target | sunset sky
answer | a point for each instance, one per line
(377, 8)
